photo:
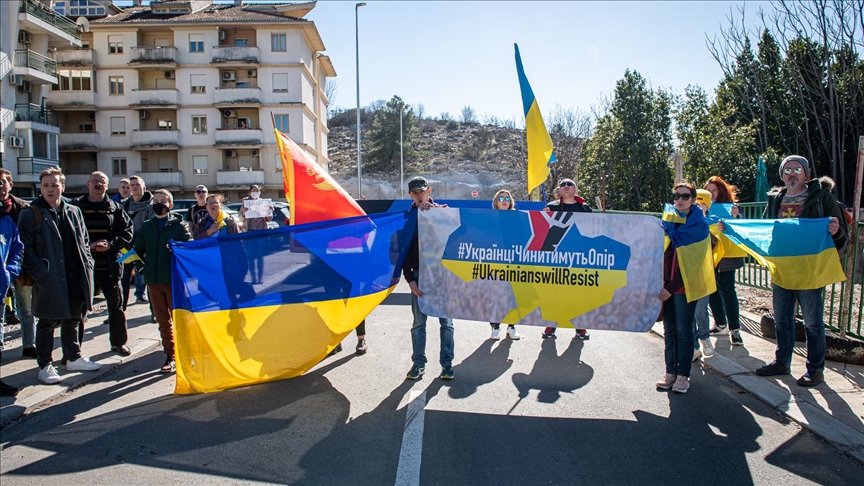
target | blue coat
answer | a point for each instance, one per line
(11, 252)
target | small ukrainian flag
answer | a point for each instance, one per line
(128, 256)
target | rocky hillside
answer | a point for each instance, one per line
(457, 161)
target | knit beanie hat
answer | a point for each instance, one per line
(796, 158)
(704, 197)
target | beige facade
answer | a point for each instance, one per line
(183, 101)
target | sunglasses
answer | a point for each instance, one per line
(789, 170)
(676, 196)
(504, 198)
(567, 184)
(200, 191)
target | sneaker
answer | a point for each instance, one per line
(549, 335)
(735, 336)
(82, 364)
(415, 372)
(707, 348)
(512, 334)
(772, 369)
(7, 390)
(696, 355)
(447, 372)
(682, 384)
(666, 382)
(496, 334)
(811, 378)
(361, 347)
(29, 352)
(169, 367)
(719, 331)
(337, 349)
(142, 300)
(49, 376)
(583, 334)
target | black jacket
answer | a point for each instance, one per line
(119, 233)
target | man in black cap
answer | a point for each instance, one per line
(421, 194)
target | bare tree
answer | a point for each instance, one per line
(468, 115)
(569, 128)
(421, 111)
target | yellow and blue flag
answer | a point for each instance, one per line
(269, 305)
(689, 233)
(799, 252)
(128, 256)
(724, 247)
(541, 153)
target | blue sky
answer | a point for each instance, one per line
(449, 54)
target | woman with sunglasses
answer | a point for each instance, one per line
(724, 302)
(678, 314)
(504, 200)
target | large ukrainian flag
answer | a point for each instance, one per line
(692, 242)
(799, 252)
(316, 283)
(724, 247)
(540, 150)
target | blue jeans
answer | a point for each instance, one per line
(24, 310)
(724, 302)
(701, 322)
(784, 325)
(678, 334)
(418, 336)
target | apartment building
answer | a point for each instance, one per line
(187, 92)
(29, 32)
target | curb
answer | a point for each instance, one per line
(48, 393)
(805, 414)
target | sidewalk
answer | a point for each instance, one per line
(833, 410)
(22, 372)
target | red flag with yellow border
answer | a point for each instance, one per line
(313, 194)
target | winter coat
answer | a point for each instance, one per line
(816, 195)
(10, 252)
(140, 211)
(151, 245)
(43, 259)
(17, 206)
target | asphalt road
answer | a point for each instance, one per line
(519, 412)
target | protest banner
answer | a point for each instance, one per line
(258, 208)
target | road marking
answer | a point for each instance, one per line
(408, 471)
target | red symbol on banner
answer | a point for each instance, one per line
(474, 193)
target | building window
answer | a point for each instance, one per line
(198, 83)
(165, 124)
(277, 43)
(280, 82)
(278, 162)
(281, 123)
(118, 125)
(85, 127)
(115, 85)
(241, 42)
(196, 42)
(118, 166)
(73, 80)
(115, 44)
(199, 124)
(199, 164)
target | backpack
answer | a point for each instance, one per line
(24, 278)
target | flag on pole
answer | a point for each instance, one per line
(540, 150)
(313, 194)
(128, 256)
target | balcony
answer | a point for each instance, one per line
(34, 67)
(155, 139)
(240, 137)
(72, 100)
(226, 179)
(78, 142)
(164, 180)
(154, 98)
(153, 57)
(35, 114)
(76, 182)
(75, 57)
(29, 168)
(228, 55)
(36, 18)
(237, 96)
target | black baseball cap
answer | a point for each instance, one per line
(418, 183)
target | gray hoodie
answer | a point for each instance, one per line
(139, 211)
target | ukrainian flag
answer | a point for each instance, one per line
(540, 150)
(128, 256)
(799, 252)
(269, 305)
(724, 248)
(689, 233)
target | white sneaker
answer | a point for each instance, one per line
(512, 334)
(707, 348)
(719, 331)
(696, 355)
(496, 334)
(82, 364)
(49, 376)
(682, 384)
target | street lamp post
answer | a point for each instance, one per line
(401, 152)
(357, 44)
